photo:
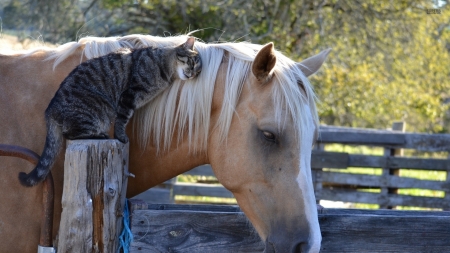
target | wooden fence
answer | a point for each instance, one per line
(206, 228)
(349, 187)
(338, 185)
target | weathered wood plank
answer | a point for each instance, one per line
(419, 163)
(197, 189)
(423, 142)
(95, 182)
(372, 233)
(350, 231)
(346, 195)
(325, 128)
(373, 138)
(378, 181)
(187, 231)
(322, 159)
(138, 205)
(380, 212)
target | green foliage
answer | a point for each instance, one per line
(400, 72)
(12, 10)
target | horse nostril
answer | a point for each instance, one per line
(300, 247)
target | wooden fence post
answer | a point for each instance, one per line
(95, 182)
(317, 175)
(396, 126)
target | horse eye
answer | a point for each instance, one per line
(269, 136)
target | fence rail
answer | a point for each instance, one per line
(202, 228)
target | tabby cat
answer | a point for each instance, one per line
(109, 88)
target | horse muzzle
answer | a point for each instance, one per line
(279, 245)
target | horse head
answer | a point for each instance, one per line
(265, 159)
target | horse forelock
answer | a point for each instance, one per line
(299, 102)
(186, 107)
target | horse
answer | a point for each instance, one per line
(251, 114)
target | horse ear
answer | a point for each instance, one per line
(264, 62)
(313, 63)
(189, 44)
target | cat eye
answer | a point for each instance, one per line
(182, 59)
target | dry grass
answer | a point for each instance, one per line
(9, 43)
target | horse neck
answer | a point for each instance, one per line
(151, 169)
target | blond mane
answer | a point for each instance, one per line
(186, 107)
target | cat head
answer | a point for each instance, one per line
(189, 63)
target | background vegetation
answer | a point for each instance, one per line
(390, 59)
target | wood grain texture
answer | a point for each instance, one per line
(343, 230)
(188, 231)
(373, 233)
(93, 195)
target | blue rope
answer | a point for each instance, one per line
(126, 237)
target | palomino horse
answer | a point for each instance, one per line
(251, 114)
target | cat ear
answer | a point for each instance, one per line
(189, 44)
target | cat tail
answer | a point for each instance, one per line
(53, 144)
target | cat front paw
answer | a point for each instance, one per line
(123, 138)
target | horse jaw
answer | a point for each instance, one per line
(312, 64)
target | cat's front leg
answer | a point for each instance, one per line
(124, 112)
(122, 118)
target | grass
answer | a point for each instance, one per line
(181, 199)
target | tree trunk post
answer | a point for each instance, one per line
(95, 182)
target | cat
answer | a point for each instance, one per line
(109, 88)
